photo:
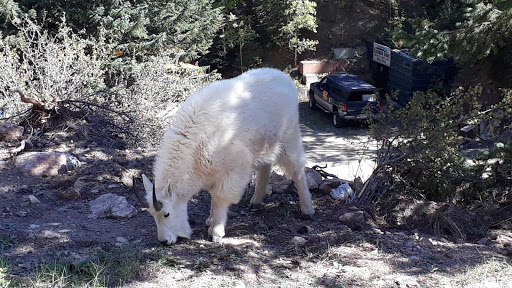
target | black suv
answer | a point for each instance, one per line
(345, 96)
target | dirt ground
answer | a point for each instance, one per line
(259, 249)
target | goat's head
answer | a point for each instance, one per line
(169, 211)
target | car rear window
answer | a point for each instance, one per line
(358, 95)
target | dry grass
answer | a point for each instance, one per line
(492, 273)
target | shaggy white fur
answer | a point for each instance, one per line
(219, 135)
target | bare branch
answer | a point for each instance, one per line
(37, 105)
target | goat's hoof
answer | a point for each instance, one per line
(256, 206)
(214, 239)
(308, 217)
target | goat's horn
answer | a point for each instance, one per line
(141, 199)
(156, 204)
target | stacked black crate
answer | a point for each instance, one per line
(407, 75)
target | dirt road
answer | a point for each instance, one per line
(348, 152)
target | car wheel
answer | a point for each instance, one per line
(312, 101)
(336, 119)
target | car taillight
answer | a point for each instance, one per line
(344, 108)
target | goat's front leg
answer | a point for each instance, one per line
(218, 218)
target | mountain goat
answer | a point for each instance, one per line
(219, 135)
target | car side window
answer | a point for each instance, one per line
(337, 94)
(323, 84)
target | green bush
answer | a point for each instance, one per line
(67, 74)
(47, 67)
(420, 148)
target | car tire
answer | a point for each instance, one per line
(312, 101)
(337, 121)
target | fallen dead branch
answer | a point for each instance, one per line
(36, 104)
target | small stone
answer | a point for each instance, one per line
(33, 199)
(231, 266)
(122, 240)
(330, 184)
(50, 234)
(483, 241)
(21, 213)
(111, 186)
(10, 132)
(85, 184)
(111, 206)
(353, 217)
(34, 226)
(31, 235)
(298, 241)
(69, 194)
(313, 178)
(358, 184)
(377, 231)
(426, 242)
(305, 229)
(127, 177)
(344, 229)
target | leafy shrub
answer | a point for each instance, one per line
(49, 68)
(420, 148)
(159, 86)
(67, 73)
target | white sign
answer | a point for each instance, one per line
(381, 54)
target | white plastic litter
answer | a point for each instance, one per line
(343, 192)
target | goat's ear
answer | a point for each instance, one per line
(148, 186)
(168, 189)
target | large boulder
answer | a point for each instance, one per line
(45, 163)
(10, 132)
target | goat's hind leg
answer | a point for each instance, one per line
(292, 160)
(263, 173)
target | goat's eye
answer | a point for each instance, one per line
(166, 215)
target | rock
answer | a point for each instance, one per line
(358, 184)
(278, 183)
(427, 243)
(314, 178)
(344, 229)
(69, 194)
(111, 206)
(3, 164)
(483, 241)
(298, 241)
(21, 213)
(50, 234)
(84, 184)
(305, 229)
(127, 177)
(231, 266)
(356, 217)
(34, 226)
(121, 241)
(330, 184)
(10, 132)
(33, 199)
(43, 163)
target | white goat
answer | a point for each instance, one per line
(219, 135)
